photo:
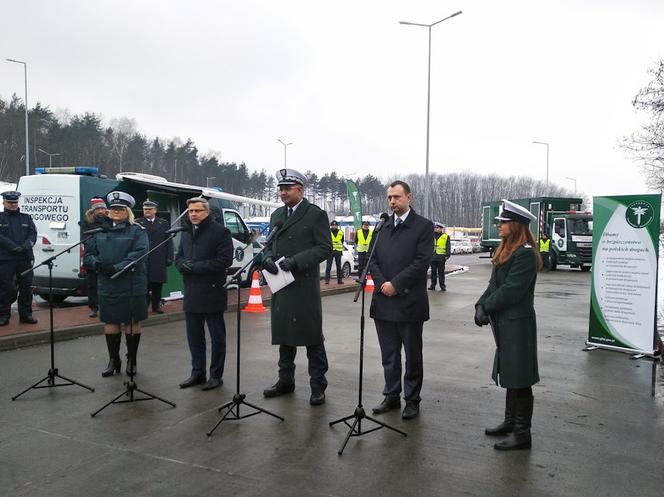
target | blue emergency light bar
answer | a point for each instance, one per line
(81, 170)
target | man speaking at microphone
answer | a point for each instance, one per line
(297, 317)
(400, 303)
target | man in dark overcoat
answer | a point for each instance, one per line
(18, 235)
(400, 303)
(161, 258)
(297, 317)
(206, 252)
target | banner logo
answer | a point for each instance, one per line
(639, 214)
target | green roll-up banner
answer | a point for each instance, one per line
(355, 200)
(623, 300)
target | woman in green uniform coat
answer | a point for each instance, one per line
(508, 302)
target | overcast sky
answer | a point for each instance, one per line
(346, 83)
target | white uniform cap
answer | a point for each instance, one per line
(510, 211)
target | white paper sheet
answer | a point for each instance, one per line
(280, 280)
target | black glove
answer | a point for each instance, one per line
(288, 264)
(481, 317)
(187, 267)
(106, 269)
(270, 266)
(18, 250)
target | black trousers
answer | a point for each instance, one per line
(317, 365)
(91, 281)
(361, 261)
(392, 336)
(336, 257)
(438, 273)
(545, 260)
(195, 323)
(154, 294)
(12, 283)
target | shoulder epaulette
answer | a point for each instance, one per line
(527, 245)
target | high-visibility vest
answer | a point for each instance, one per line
(337, 244)
(363, 243)
(440, 245)
(544, 245)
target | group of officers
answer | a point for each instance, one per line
(402, 253)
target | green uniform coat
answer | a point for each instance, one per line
(509, 300)
(297, 316)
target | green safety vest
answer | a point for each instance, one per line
(337, 244)
(544, 245)
(363, 243)
(440, 245)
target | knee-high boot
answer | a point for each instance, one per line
(114, 363)
(132, 347)
(508, 423)
(520, 436)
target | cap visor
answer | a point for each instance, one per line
(502, 218)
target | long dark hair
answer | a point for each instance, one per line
(519, 235)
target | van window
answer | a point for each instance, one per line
(237, 228)
(559, 227)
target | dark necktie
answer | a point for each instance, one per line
(398, 221)
(290, 211)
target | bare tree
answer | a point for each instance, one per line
(120, 134)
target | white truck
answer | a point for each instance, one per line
(58, 198)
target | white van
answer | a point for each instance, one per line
(58, 198)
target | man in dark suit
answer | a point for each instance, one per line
(400, 303)
(297, 317)
(159, 259)
(206, 252)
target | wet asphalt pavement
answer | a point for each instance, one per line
(597, 431)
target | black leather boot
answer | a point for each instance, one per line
(114, 363)
(132, 347)
(520, 436)
(508, 423)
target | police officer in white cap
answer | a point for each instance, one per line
(17, 237)
(297, 318)
(509, 301)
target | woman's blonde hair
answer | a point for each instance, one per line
(519, 235)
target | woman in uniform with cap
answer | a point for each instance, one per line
(508, 302)
(121, 300)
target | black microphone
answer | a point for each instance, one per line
(273, 232)
(177, 229)
(383, 219)
(101, 229)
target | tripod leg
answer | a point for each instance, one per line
(93, 414)
(386, 426)
(229, 403)
(230, 406)
(152, 396)
(30, 387)
(341, 420)
(348, 435)
(74, 382)
(262, 410)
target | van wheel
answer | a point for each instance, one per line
(345, 270)
(585, 269)
(57, 299)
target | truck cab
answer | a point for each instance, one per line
(571, 236)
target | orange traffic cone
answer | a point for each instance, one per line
(255, 303)
(369, 284)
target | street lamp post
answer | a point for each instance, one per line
(572, 179)
(426, 175)
(27, 146)
(207, 180)
(285, 146)
(547, 160)
(50, 156)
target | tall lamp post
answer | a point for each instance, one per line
(426, 175)
(285, 146)
(547, 160)
(572, 179)
(207, 180)
(50, 156)
(27, 146)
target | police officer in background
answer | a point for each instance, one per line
(337, 249)
(159, 259)
(441, 252)
(363, 240)
(18, 234)
(545, 250)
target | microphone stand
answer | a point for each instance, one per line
(355, 429)
(53, 372)
(233, 406)
(130, 384)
